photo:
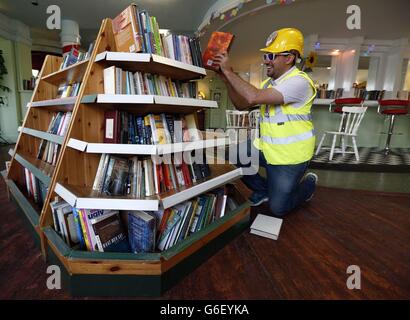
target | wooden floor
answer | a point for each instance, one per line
(309, 261)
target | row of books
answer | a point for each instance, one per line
(142, 177)
(127, 128)
(48, 151)
(329, 94)
(75, 55)
(360, 93)
(368, 95)
(136, 31)
(403, 95)
(191, 216)
(36, 190)
(92, 230)
(118, 81)
(68, 90)
(138, 231)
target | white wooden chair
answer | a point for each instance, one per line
(236, 119)
(253, 118)
(349, 126)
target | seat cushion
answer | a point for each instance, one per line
(395, 111)
(346, 101)
(396, 102)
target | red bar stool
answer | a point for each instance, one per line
(391, 109)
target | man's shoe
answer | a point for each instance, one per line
(311, 175)
(257, 199)
(315, 178)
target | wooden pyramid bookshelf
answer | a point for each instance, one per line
(102, 273)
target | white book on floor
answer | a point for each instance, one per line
(266, 226)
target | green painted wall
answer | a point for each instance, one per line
(9, 113)
(215, 89)
(23, 71)
(17, 58)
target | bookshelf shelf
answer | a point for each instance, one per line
(151, 63)
(161, 103)
(186, 102)
(42, 135)
(41, 170)
(73, 73)
(119, 98)
(53, 102)
(185, 193)
(130, 149)
(85, 198)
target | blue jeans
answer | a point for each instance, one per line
(283, 184)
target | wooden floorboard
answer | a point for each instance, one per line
(309, 260)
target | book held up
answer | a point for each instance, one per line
(218, 43)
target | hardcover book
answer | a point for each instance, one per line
(266, 226)
(141, 231)
(126, 30)
(110, 234)
(218, 43)
(112, 126)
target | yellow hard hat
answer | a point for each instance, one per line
(285, 39)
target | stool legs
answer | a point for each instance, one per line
(389, 134)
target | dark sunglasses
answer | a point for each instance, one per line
(271, 56)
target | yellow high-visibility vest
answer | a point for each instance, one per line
(286, 133)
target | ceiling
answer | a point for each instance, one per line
(380, 19)
(182, 16)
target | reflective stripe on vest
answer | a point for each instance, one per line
(290, 139)
(279, 117)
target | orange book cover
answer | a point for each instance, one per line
(126, 30)
(218, 43)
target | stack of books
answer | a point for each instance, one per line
(48, 151)
(127, 128)
(141, 177)
(403, 95)
(136, 31)
(329, 94)
(36, 190)
(75, 56)
(136, 231)
(118, 81)
(68, 90)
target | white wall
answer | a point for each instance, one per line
(320, 75)
(407, 79)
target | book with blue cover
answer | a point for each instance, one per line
(141, 231)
